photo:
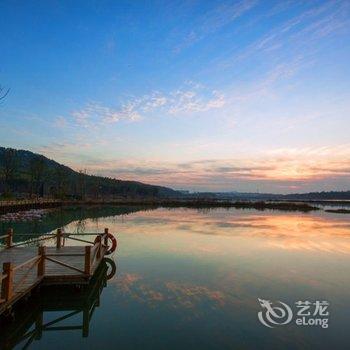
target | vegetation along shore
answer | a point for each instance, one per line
(10, 206)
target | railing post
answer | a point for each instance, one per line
(99, 240)
(41, 264)
(7, 282)
(87, 268)
(59, 239)
(9, 239)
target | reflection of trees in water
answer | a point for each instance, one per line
(26, 323)
(80, 226)
(95, 221)
(56, 218)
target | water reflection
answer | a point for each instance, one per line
(289, 231)
(55, 218)
(176, 296)
(27, 323)
(192, 278)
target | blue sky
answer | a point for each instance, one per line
(202, 95)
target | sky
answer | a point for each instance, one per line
(245, 95)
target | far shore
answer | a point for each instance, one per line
(16, 205)
(338, 211)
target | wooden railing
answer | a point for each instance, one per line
(59, 236)
(8, 284)
(8, 237)
(92, 253)
(9, 243)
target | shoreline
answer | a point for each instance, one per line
(14, 206)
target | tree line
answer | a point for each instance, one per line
(25, 174)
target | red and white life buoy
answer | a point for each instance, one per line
(110, 247)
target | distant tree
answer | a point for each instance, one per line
(61, 182)
(36, 170)
(82, 184)
(96, 189)
(3, 92)
(155, 192)
(9, 169)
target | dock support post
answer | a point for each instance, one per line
(87, 268)
(39, 326)
(7, 282)
(9, 239)
(86, 321)
(41, 265)
(59, 238)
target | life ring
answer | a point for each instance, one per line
(110, 249)
(111, 268)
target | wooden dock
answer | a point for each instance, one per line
(26, 267)
(30, 321)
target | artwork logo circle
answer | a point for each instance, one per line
(274, 314)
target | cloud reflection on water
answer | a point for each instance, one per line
(187, 269)
(192, 298)
(288, 231)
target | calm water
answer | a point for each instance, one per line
(191, 279)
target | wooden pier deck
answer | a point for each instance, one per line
(24, 268)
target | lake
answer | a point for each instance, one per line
(189, 278)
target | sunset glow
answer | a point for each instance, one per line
(245, 96)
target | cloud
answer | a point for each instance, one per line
(280, 170)
(127, 112)
(95, 114)
(156, 100)
(188, 101)
(82, 117)
(191, 98)
(213, 20)
(299, 34)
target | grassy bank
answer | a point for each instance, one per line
(303, 207)
(338, 211)
(168, 203)
(202, 203)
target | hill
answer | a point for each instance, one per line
(24, 173)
